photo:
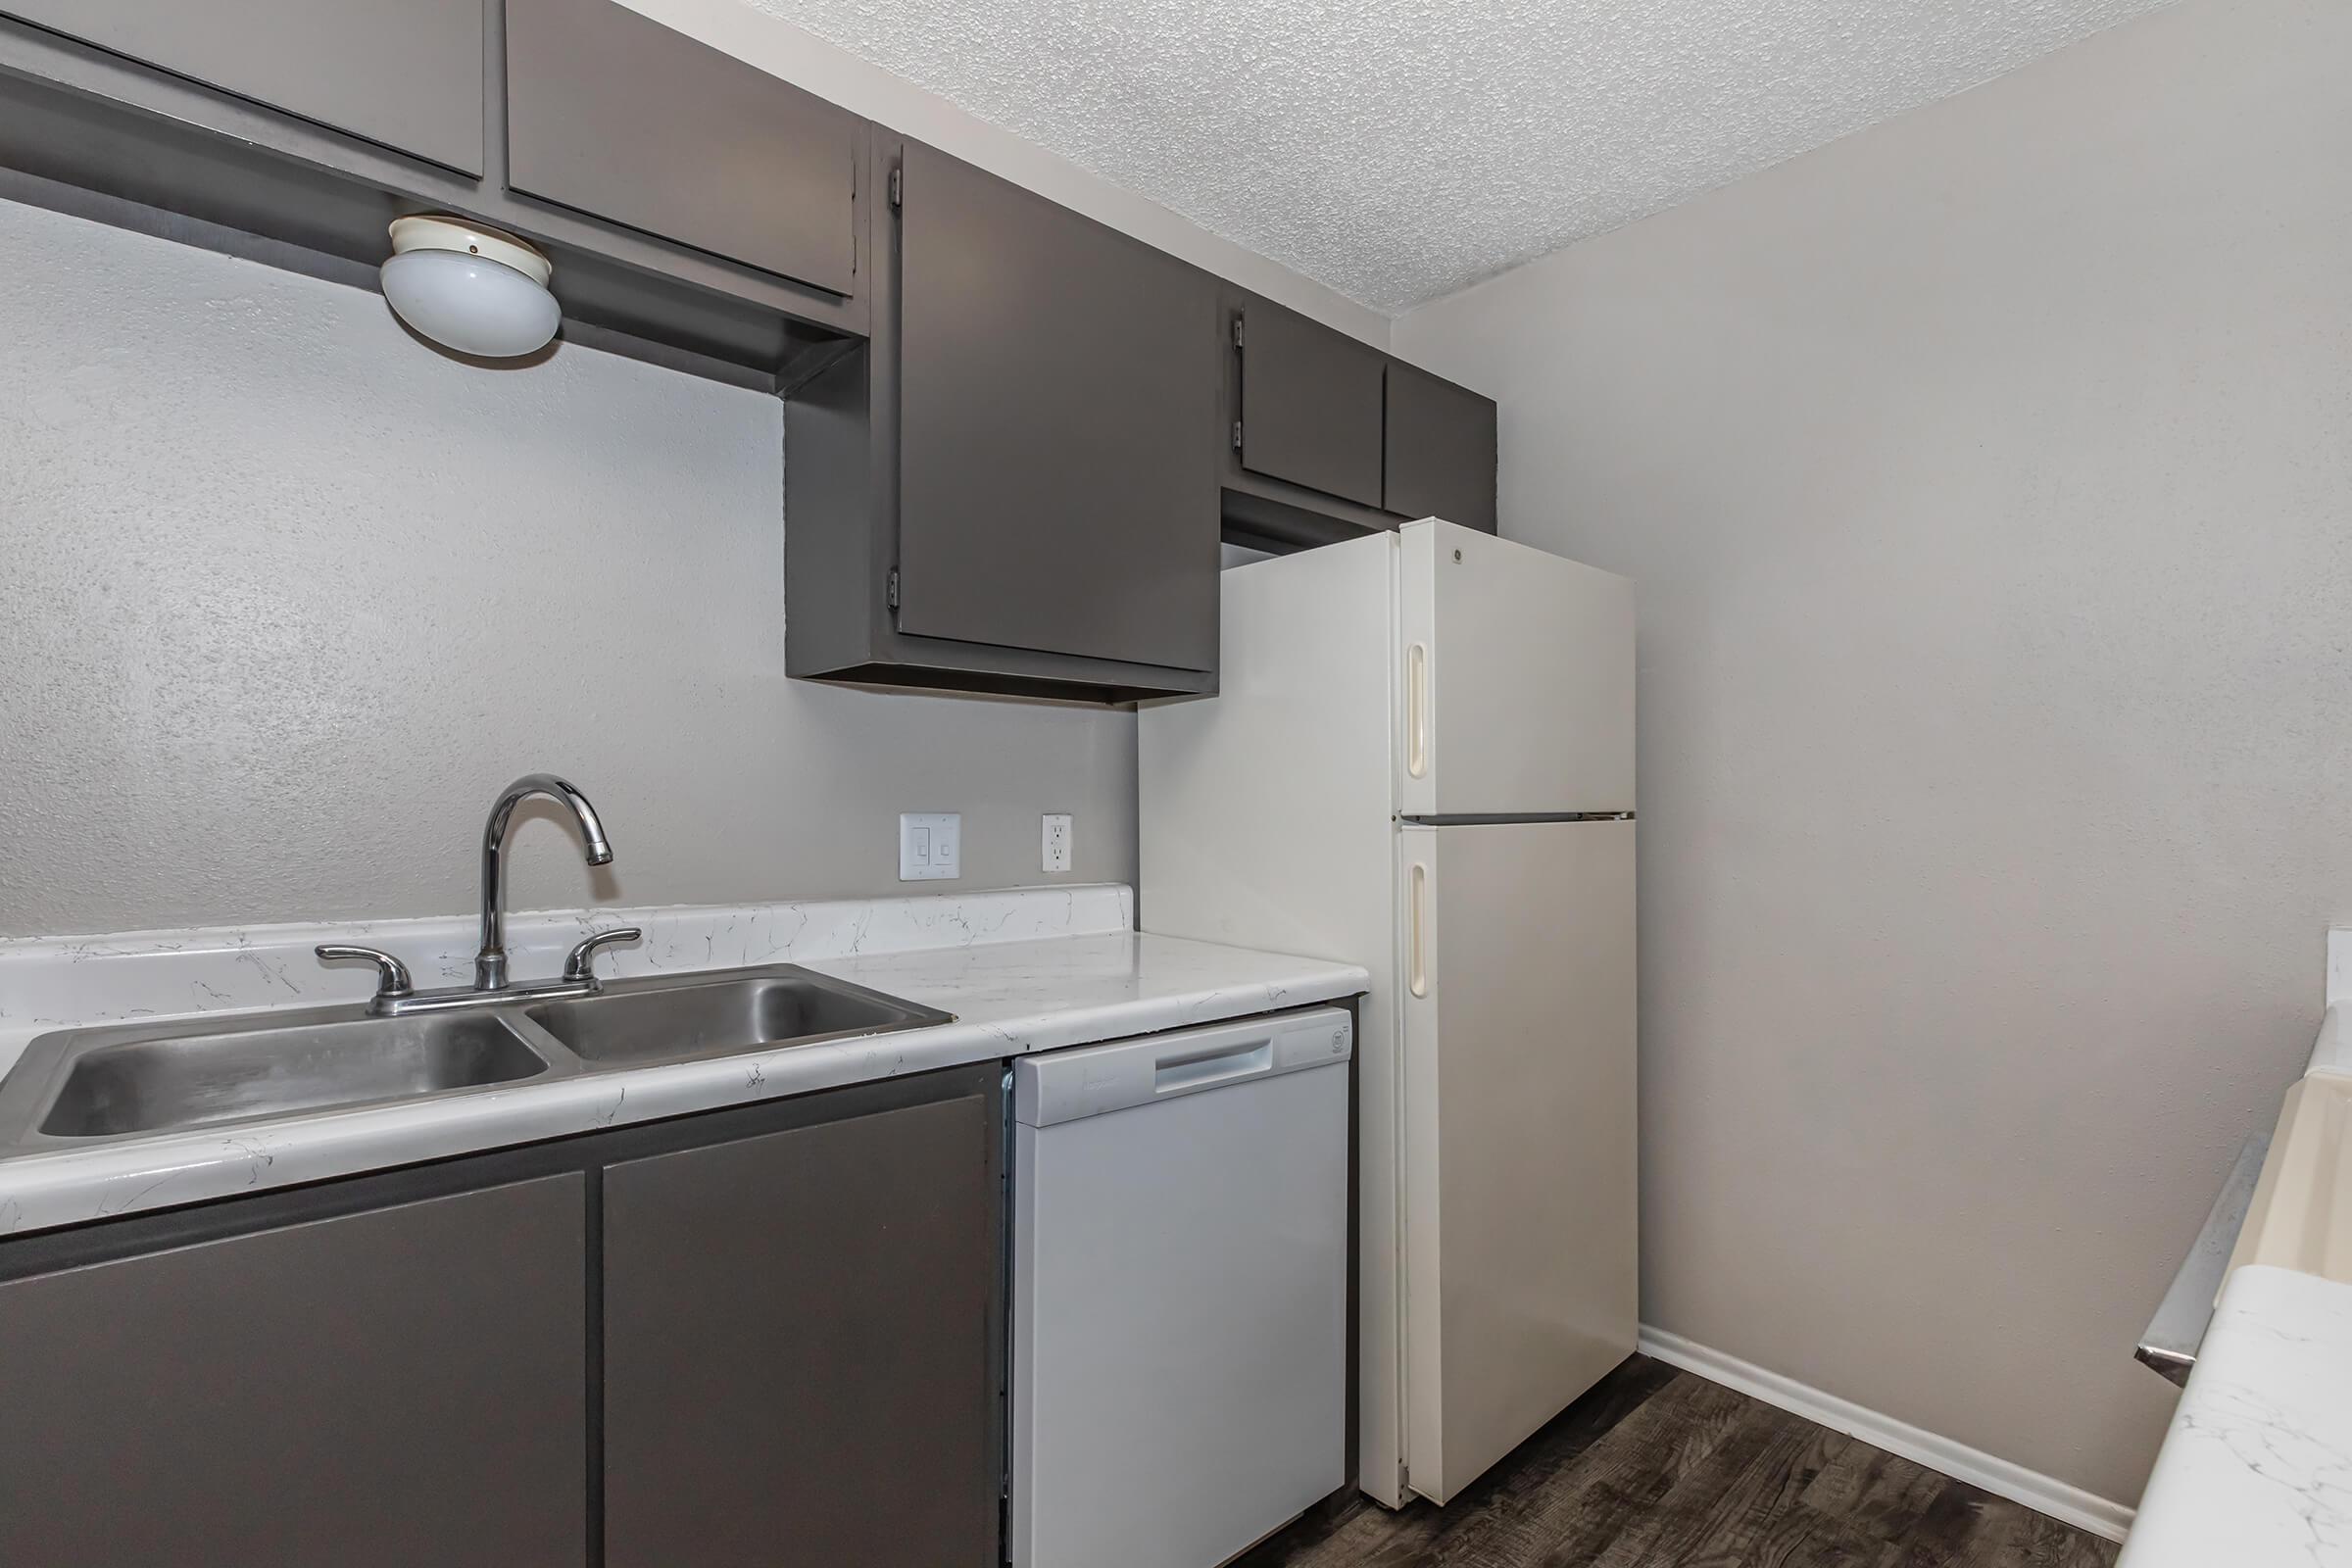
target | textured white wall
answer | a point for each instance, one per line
(1987, 480)
(285, 597)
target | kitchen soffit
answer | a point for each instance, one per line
(1397, 150)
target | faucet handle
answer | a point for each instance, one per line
(391, 975)
(581, 964)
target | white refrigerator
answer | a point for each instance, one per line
(1421, 759)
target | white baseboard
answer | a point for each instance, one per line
(2043, 1494)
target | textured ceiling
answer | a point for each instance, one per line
(1399, 149)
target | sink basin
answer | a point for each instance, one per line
(79, 1086)
(167, 1081)
(719, 1014)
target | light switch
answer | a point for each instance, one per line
(928, 846)
(1057, 841)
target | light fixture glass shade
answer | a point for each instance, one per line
(470, 288)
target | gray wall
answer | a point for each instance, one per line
(285, 597)
(1987, 480)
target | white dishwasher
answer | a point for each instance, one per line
(1180, 1291)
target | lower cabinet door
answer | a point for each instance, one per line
(798, 1363)
(390, 1389)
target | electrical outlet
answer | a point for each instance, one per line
(930, 846)
(1057, 841)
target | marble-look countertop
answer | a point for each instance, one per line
(2257, 1468)
(54, 982)
(1072, 975)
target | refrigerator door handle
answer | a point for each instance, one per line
(1418, 979)
(1416, 709)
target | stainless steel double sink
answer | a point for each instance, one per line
(80, 1087)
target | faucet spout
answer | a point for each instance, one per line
(490, 963)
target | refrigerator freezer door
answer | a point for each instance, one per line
(1514, 679)
(1517, 1180)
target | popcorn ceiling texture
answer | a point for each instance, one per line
(1397, 150)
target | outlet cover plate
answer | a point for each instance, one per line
(1057, 841)
(930, 846)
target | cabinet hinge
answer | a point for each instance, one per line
(1237, 435)
(898, 188)
(1237, 332)
(890, 590)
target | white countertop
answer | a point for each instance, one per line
(1010, 997)
(2256, 1469)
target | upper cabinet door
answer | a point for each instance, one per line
(619, 116)
(1310, 405)
(407, 75)
(1057, 415)
(1441, 450)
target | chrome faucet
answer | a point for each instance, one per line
(396, 994)
(490, 963)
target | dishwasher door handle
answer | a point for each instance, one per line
(2172, 1336)
(1197, 1069)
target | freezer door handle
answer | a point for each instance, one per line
(1416, 709)
(1417, 980)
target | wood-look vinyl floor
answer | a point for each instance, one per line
(1656, 1468)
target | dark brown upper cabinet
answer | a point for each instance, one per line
(614, 115)
(1328, 438)
(1013, 488)
(700, 213)
(378, 1390)
(1310, 405)
(1052, 396)
(1439, 450)
(407, 75)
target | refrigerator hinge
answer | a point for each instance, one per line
(1237, 435)
(889, 589)
(1237, 332)
(898, 188)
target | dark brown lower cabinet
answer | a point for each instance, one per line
(394, 1387)
(798, 1335)
(767, 1335)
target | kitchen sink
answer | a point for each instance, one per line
(79, 1085)
(168, 1081)
(676, 1018)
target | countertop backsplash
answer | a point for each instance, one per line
(55, 982)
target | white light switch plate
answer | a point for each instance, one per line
(929, 846)
(1057, 841)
